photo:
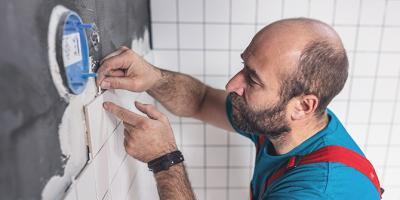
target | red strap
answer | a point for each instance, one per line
(331, 154)
(260, 142)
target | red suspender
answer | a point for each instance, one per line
(337, 154)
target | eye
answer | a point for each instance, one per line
(249, 80)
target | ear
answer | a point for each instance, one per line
(304, 106)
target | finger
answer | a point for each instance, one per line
(118, 62)
(129, 127)
(149, 110)
(115, 53)
(116, 73)
(127, 134)
(116, 83)
(123, 114)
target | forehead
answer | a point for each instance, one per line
(271, 60)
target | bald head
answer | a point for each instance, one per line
(306, 55)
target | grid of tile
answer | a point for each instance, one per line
(204, 38)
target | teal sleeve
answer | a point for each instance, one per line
(228, 106)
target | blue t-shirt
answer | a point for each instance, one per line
(325, 180)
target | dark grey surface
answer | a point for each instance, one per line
(30, 108)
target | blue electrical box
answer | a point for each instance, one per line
(73, 52)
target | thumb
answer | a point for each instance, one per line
(149, 110)
(116, 83)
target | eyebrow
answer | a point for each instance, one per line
(253, 74)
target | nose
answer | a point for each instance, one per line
(236, 84)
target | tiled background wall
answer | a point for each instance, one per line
(204, 38)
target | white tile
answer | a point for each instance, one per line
(322, 10)
(191, 62)
(101, 172)
(347, 11)
(194, 156)
(100, 123)
(107, 196)
(217, 177)
(392, 193)
(192, 134)
(339, 108)
(394, 135)
(217, 36)
(217, 10)
(392, 178)
(85, 183)
(393, 157)
(116, 151)
(376, 155)
(190, 10)
(217, 63)
(368, 38)
(269, 11)
(164, 35)
(372, 12)
(359, 133)
(239, 156)
(359, 112)
(236, 62)
(378, 134)
(243, 11)
(392, 13)
(389, 64)
(163, 10)
(217, 156)
(196, 176)
(166, 59)
(397, 113)
(71, 193)
(216, 136)
(176, 128)
(385, 88)
(348, 36)
(361, 88)
(295, 8)
(236, 138)
(216, 194)
(391, 39)
(365, 64)
(239, 177)
(238, 194)
(382, 112)
(120, 186)
(217, 82)
(191, 36)
(344, 93)
(241, 36)
(199, 193)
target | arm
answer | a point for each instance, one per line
(174, 183)
(185, 96)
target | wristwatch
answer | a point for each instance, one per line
(166, 161)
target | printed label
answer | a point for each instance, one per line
(71, 47)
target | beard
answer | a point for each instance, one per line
(268, 121)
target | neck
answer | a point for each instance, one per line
(298, 134)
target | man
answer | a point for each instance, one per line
(292, 70)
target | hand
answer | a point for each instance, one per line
(145, 138)
(124, 69)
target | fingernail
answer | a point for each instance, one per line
(105, 85)
(105, 105)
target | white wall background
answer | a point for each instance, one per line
(204, 38)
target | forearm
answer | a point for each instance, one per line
(174, 184)
(181, 94)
